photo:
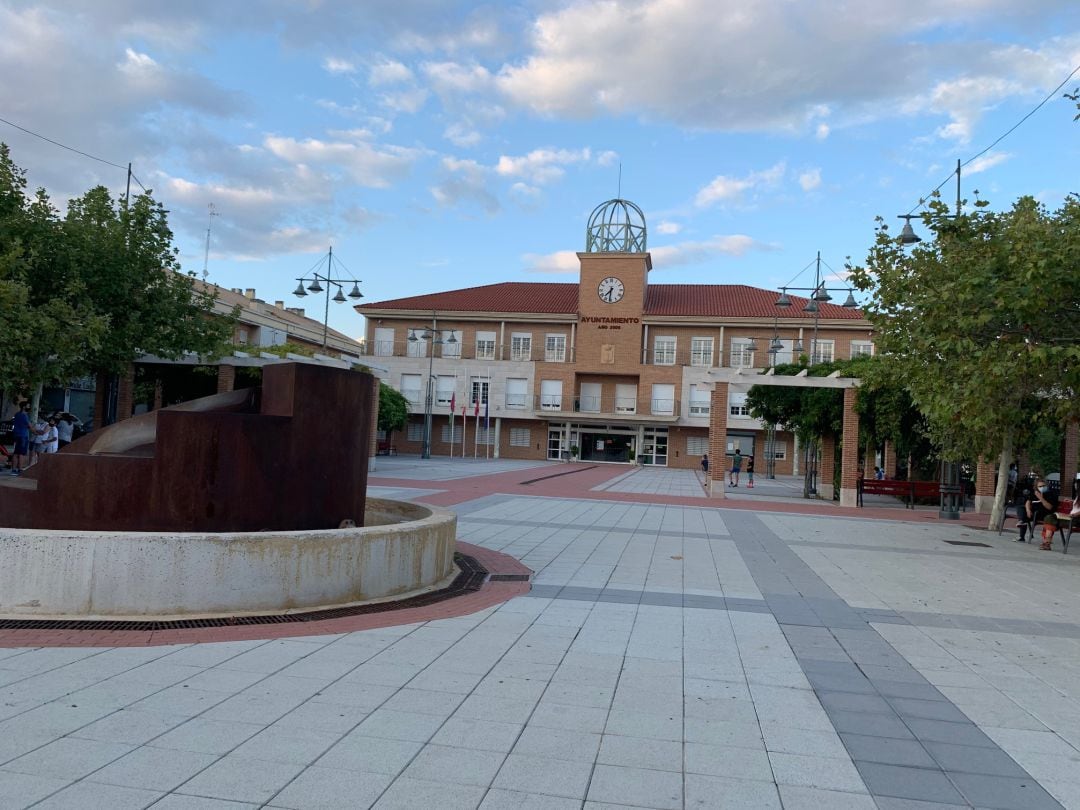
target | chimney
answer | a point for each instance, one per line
(279, 304)
(249, 293)
(296, 311)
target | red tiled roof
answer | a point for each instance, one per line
(675, 300)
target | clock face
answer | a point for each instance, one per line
(611, 290)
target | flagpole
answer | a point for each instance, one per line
(487, 419)
(453, 406)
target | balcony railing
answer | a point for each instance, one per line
(605, 406)
(483, 351)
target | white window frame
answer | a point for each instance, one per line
(662, 406)
(485, 345)
(521, 346)
(780, 451)
(445, 386)
(417, 399)
(664, 349)
(555, 348)
(383, 347)
(418, 347)
(742, 355)
(451, 349)
(819, 356)
(862, 348)
(737, 405)
(623, 402)
(517, 400)
(700, 405)
(550, 399)
(479, 390)
(701, 352)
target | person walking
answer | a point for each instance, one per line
(749, 472)
(705, 465)
(736, 468)
(21, 431)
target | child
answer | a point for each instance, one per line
(750, 472)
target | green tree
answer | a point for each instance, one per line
(93, 290)
(393, 409)
(981, 324)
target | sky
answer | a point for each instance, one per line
(439, 144)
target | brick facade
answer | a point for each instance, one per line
(718, 459)
(226, 378)
(849, 466)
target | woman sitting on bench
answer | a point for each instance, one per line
(1041, 507)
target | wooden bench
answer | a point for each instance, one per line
(909, 490)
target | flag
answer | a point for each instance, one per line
(487, 417)
(453, 403)
(476, 411)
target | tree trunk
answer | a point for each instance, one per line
(35, 402)
(998, 509)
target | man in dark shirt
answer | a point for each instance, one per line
(21, 431)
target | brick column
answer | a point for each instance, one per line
(718, 412)
(849, 460)
(101, 386)
(1070, 448)
(125, 398)
(226, 378)
(985, 471)
(888, 464)
(826, 467)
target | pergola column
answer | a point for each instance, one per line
(985, 472)
(226, 378)
(849, 458)
(888, 463)
(827, 467)
(718, 414)
(374, 448)
(1070, 448)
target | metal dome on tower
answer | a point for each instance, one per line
(616, 226)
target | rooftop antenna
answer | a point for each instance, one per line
(206, 254)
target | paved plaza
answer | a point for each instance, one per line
(672, 653)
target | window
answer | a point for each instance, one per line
(485, 436)
(414, 431)
(625, 398)
(478, 390)
(555, 348)
(444, 389)
(700, 400)
(589, 397)
(416, 344)
(551, 395)
(780, 451)
(861, 348)
(446, 439)
(697, 445)
(784, 354)
(451, 342)
(521, 346)
(664, 351)
(517, 392)
(410, 389)
(742, 353)
(384, 342)
(663, 399)
(823, 352)
(519, 437)
(737, 405)
(701, 351)
(485, 345)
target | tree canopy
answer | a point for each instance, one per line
(981, 324)
(393, 408)
(94, 289)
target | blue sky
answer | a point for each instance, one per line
(441, 144)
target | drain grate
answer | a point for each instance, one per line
(509, 578)
(470, 578)
(559, 475)
(968, 543)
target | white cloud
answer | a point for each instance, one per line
(723, 188)
(822, 131)
(695, 252)
(338, 66)
(389, 71)
(562, 261)
(407, 101)
(541, 166)
(987, 161)
(810, 179)
(452, 77)
(462, 135)
(665, 227)
(366, 164)
(465, 181)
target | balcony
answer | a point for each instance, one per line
(609, 407)
(482, 352)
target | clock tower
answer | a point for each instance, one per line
(612, 286)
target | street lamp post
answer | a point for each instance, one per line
(819, 294)
(433, 336)
(949, 486)
(315, 287)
